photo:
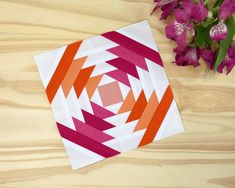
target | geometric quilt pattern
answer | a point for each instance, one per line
(109, 94)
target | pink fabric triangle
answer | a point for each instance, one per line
(120, 76)
(101, 112)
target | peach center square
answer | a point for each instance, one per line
(110, 93)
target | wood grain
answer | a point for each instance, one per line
(31, 152)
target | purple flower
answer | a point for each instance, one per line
(229, 61)
(199, 11)
(208, 56)
(218, 32)
(178, 32)
(167, 7)
(191, 12)
(227, 9)
(182, 28)
(189, 56)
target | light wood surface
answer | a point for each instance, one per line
(31, 152)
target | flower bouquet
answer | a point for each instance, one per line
(203, 29)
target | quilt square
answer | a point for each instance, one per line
(109, 94)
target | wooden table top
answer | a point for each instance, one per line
(31, 151)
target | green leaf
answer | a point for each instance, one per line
(215, 11)
(218, 3)
(209, 40)
(207, 22)
(202, 36)
(224, 44)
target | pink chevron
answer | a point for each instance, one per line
(85, 141)
(96, 122)
(120, 76)
(91, 132)
(130, 56)
(101, 112)
(134, 46)
(125, 66)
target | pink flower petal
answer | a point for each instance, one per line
(189, 56)
(227, 9)
(181, 41)
(177, 31)
(218, 32)
(231, 52)
(183, 14)
(170, 31)
(179, 28)
(191, 11)
(161, 3)
(208, 56)
(168, 9)
(199, 11)
(229, 61)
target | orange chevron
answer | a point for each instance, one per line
(92, 84)
(148, 112)
(138, 108)
(82, 79)
(71, 74)
(61, 69)
(158, 117)
(128, 103)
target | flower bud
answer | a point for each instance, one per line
(210, 15)
(219, 31)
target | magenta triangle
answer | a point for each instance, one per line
(120, 76)
(96, 122)
(124, 65)
(101, 112)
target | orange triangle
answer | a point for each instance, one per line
(138, 108)
(158, 117)
(82, 79)
(147, 113)
(92, 84)
(71, 74)
(128, 103)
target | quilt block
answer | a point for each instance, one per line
(109, 94)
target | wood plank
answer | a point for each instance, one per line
(31, 151)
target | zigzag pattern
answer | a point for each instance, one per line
(109, 100)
